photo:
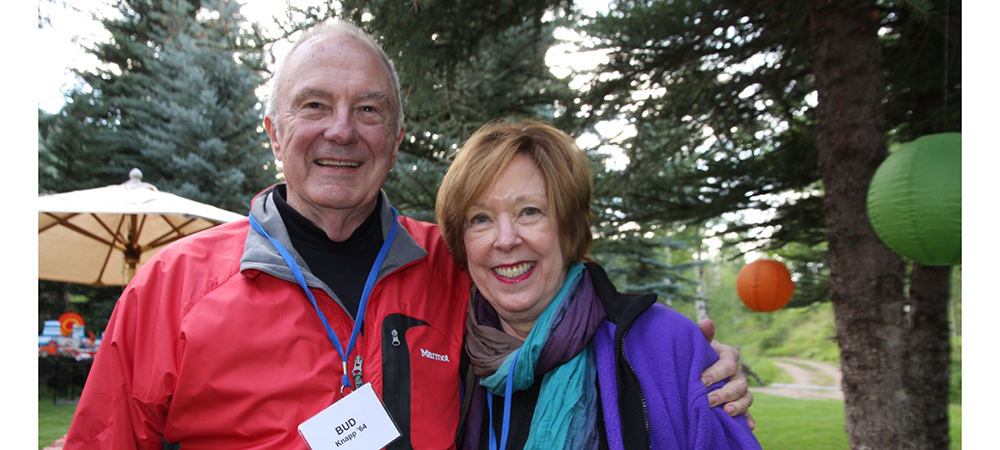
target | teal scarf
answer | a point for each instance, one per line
(566, 413)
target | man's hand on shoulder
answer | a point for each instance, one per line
(735, 394)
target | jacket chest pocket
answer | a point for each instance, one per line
(420, 382)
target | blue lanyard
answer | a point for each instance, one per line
(508, 393)
(369, 284)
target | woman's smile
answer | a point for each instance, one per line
(514, 273)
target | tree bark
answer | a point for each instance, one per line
(700, 304)
(928, 378)
(866, 278)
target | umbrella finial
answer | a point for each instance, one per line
(135, 181)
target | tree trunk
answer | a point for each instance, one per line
(866, 278)
(928, 375)
(700, 303)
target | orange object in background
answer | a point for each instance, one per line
(68, 321)
(765, 285)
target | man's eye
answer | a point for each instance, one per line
(313, 105)
(370, 114)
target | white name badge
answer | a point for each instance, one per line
(358, 421)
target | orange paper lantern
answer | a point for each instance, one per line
(765, 285)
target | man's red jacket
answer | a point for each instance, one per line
(213, 345)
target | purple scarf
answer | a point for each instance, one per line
(570, 331)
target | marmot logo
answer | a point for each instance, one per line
(434, 356)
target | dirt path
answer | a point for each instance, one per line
(811, 380)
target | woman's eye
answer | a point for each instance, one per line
(479, 221)
(530, 211)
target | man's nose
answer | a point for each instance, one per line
(341, 128)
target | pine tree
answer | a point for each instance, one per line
(123, 58)
(174, 96)
(717, 96)
(70, 153)
(196, 118)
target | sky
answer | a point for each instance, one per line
(35, 74)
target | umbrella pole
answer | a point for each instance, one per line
(132, 252)
(131, 261)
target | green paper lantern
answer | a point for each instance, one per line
(915, 200)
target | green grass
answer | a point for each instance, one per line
(53, 421)
(788, 423)
(782, 423)
(785, 423)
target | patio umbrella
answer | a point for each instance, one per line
(100, 236)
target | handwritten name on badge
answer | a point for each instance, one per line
(359, 421)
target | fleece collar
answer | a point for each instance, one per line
(259, 255)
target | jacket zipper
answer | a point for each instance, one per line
(358, 381)
(396, 375)
(642, 395)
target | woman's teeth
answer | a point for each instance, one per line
(514, 271)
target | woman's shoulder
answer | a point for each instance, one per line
(661, 321)
(676, 338)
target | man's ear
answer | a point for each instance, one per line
(399, 141)
(272, 134)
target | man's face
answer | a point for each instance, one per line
(337, 136)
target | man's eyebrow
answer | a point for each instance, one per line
(309, 93)
(378, 95)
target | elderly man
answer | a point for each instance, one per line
(232, 338)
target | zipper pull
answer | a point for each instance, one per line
(395, 338)
(357, 372)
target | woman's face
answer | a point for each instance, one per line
(512, 244)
